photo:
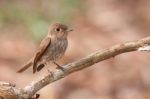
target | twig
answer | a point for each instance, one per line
(96, 57)
(33, 87)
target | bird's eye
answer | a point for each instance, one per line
(58, 29)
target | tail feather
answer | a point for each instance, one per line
(26, 66)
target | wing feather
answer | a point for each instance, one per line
(43, 47)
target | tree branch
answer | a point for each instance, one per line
(96, 57)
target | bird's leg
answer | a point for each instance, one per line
(41, 66)
(58, 66)
(50, 72)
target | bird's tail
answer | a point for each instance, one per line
(26, 66)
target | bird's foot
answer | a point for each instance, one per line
(50, 72)
(59, 67)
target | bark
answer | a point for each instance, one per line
(8, 91)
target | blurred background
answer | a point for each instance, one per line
(97, 24)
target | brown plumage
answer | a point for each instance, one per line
(52, 48)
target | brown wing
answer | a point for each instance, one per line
(43, 47)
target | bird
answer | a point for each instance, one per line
(51, 49)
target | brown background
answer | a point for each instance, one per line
(97, 24)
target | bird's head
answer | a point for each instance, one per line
(58, 30)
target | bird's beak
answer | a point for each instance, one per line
(69, 30)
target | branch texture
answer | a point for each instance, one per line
(85, 62)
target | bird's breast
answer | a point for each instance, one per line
(56, 49)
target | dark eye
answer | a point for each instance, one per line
(57, 29)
